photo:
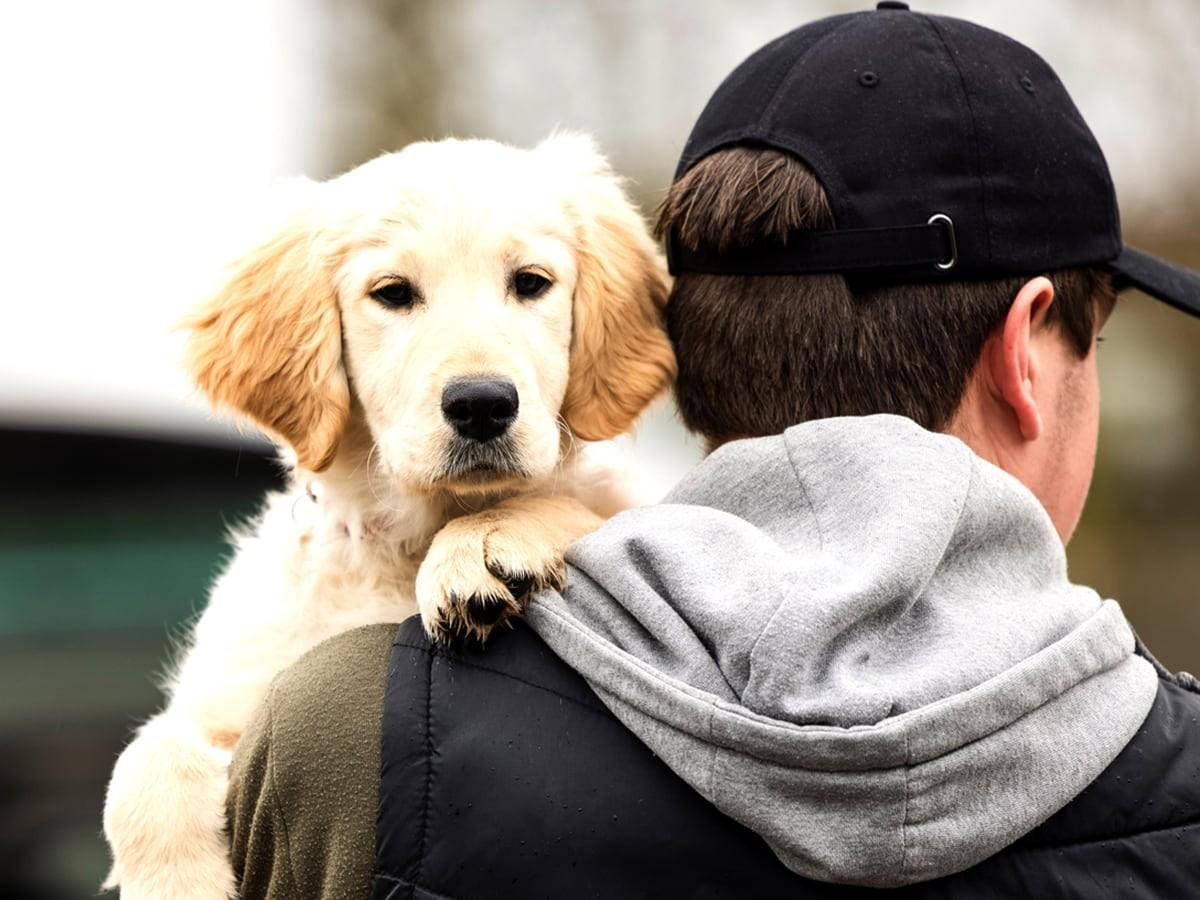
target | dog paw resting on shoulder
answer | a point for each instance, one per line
(432, 339)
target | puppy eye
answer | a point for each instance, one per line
(395, 295)
(529, 285)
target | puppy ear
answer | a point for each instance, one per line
(268, 345)
(621, 358)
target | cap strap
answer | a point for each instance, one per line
(808, 252)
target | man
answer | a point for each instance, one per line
(844, 655)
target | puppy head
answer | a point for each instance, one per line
(477, 300)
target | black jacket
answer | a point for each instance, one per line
(502, 775)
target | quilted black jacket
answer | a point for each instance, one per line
(502, 775)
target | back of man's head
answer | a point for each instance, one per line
(758, 353)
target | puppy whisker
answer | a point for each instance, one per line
(461, 502)
(572, 449)
(371, 480)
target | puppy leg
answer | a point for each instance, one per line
(481, 568)
(164, 815)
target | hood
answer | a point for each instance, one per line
(858, 639)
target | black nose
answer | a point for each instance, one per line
(480, 409)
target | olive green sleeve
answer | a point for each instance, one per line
(304, 783)
(258, 834)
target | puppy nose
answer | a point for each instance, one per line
(480, 409)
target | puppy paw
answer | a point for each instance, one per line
(164, 816)
(194, 880)
(479, 573)
(526, 560)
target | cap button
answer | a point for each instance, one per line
(891, 4)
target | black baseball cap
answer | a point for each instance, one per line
(948, 152)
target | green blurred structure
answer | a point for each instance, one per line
(107, 547)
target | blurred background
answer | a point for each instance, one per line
(138, 136)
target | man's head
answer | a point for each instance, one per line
(888, 212)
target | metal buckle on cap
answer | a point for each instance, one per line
(942, 217)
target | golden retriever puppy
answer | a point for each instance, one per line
(430, 337)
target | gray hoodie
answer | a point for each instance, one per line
(858, 639)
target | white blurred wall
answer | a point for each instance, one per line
(133, 133)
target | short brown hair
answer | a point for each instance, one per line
(760, 353)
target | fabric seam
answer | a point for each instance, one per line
(424, 845)
(787, 450)
(410, 883)
(598, 710)
(287, 837)
(908, 767)
(773, 103)
(787, 447)
(882, 641)
(962, 507)
(962, 81)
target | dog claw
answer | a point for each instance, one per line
(519, 585)
(486, 610)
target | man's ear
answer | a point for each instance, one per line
(1013, 358)
(621, 358)
(268, 344)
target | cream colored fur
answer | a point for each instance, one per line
(376, 526)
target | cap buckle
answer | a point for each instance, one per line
(942, 217)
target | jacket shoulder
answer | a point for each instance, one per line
(504, 775)
(342, 666)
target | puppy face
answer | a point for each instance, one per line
(456, 316)
(477, 301)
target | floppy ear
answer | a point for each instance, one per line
(621, 358)
(268, 345)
